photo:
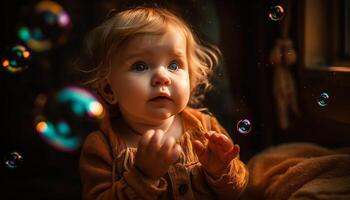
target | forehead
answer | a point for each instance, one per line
(171, 40)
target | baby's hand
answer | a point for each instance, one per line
(216, 156)
(153, 156)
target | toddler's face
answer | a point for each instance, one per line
(150, 77)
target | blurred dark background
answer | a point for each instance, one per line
(243, 86)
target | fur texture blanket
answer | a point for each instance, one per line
(299, 171)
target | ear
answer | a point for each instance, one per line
(107, 92)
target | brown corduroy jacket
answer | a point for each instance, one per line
(107, 172)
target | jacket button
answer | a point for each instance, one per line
(183, 189)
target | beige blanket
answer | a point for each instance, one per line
(299, 171)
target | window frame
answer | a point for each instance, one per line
(333, 78)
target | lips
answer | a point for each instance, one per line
(161, 98)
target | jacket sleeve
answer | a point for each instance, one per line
(99, 181)
(231, 184)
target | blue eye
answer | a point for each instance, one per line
(140, 67)
(173, 66)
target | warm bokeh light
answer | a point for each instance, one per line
(96, 109)
(5, 63)
(41, 127)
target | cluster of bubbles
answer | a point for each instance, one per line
(244, 126)
(67, 117)
(276, 13)
(323, 99)
(48, 25)
(16, 59)
(45, 26)
(13, 160)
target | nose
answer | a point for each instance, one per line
(161, 77)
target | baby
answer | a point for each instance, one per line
(147, 65)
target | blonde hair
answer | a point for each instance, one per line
(109, 37)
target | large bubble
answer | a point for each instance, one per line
(46, 26)
(67, 117)
(16, 59)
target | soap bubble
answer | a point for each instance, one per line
(276, 13)
(323, 99)
(47, 25)
(13, 160)
(16, 59)
(67, 117)
(244, 126)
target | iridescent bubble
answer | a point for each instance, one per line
(16, 59)
(276, 13)
(64, 119)
(323, 99)
(13, 160)
(244, 126)
(48, 25)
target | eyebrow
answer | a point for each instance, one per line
(178, 53)
(137, 54)
(140, 53)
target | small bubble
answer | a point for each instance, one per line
(323, 99)
(276, 13)
(16, 59)
(244, 126)
(13, 160)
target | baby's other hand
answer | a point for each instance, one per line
(216, 156)
(153, 156)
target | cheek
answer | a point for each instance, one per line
(184, 88)
(131, 90)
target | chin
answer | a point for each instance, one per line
(162, 113)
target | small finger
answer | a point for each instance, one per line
(154, 143)
(166, 147)
(145, 139)
(223, 141)
(233, 153)
(209, 134)
(174, 154)
(198, 147)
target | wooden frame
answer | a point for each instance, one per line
(331, 76)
